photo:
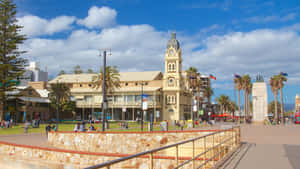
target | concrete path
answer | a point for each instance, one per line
(267, 147)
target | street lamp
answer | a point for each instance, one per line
(142, 113)
(57, 104)
(104, 102)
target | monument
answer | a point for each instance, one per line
(260, 100)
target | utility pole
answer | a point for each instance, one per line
(57, 110)
(104, 101)
(142, 112)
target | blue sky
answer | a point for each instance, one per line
(219, 37)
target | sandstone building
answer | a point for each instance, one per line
(168, 95)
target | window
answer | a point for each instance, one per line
(80, 85)
(169, 67)
(173, 67)
(171, 99)
(136, 83)
(146, 83)
(126, 84)
(88, 99)
(90, 85)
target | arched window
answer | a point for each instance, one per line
(173, 67)
(173, 99)
(169, 99)
(169, 67)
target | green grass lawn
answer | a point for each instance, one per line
(113, 126)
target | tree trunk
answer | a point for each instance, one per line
(275, 113)
(282, 108)
(249, 104)
(245, 94)
(239, 105)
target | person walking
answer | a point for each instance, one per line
(48, 129)
(26, 126)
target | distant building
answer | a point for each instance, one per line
(33, 73)
(297, 103)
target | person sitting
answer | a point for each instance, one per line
(77, 127)
(92, 128)
(82, 127)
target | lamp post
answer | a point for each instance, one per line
(104, 102)
(57, 104)
(142, 113)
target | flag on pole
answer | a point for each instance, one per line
(212, 77)
(192, 77)
(283, 74)
(237, 76)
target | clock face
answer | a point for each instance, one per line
(171, 52)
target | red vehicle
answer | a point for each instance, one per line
(297, 117)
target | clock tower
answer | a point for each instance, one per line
(173, 81)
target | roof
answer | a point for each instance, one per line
(34, 99)
(124, 76)
(42, 92)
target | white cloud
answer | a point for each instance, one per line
(35, 26)
(267, 51)
(99, 17)
(138, 47)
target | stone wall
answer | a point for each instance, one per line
(22, 157)
(119, 142)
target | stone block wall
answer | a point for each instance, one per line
(117, 142)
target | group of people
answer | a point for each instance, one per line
(81, 127)
(49, 128)
(7, 123)
(123, 125)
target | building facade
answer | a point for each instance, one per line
(168, 95)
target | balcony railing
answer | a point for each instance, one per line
(117, 104)
(205, 152)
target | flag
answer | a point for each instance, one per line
(212, 77)
(192, 77)
(283, 74)
(237, 76)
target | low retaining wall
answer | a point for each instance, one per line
(43, 158)
(119, 142)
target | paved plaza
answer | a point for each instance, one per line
(267, 147)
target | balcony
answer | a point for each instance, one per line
(133, 104)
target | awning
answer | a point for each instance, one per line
(79, 97)
(35, 99)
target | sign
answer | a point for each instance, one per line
(157, 113)
(200, 112)
(195, 108)
(195, 102)
(124, 109)
(144, 104)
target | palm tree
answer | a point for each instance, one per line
(112, 79)
(60, 93)
(246, 80)
(275, 84)
(195, 83)
(282, 79)
(232, 107)
(238, 86)
(249, 92)
(223, 100)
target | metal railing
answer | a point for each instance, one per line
(201, 152)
